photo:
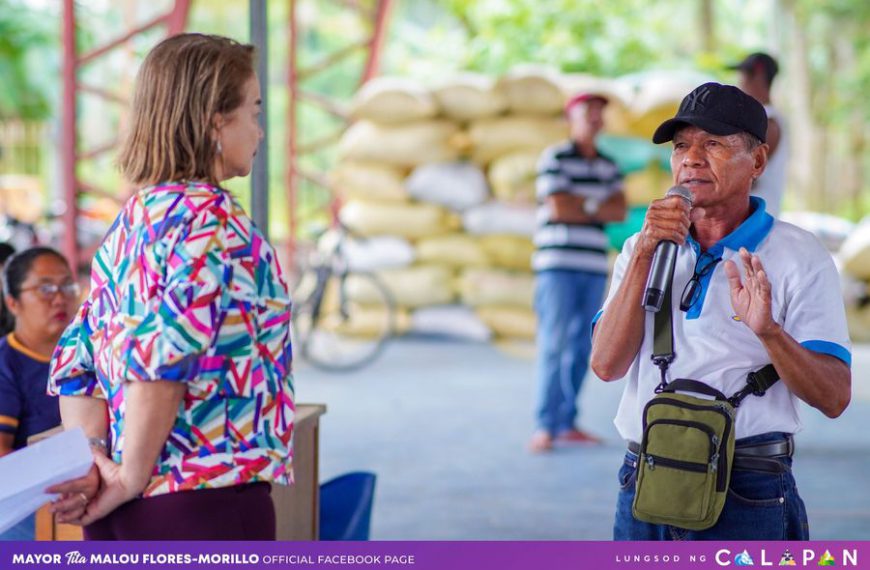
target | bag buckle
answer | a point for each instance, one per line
(752, 381)
(662, 361)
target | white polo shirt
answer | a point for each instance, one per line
(711, 345)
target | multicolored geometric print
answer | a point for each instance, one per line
(185, 288)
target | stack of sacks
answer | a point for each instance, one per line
(451, 172)
(853, 260)
(507, 147)
(647, 99)
(850, 246)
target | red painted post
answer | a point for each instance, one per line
(68, 135)
(376, 44)
(175, 21)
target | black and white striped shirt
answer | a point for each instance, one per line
(580, 247)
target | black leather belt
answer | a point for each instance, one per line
(772, 450)
(754, 457)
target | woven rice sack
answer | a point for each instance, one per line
(482, 287)
(366, 322)
(21, 197)
(858, 320)
(369, 181)
(509, 322)
(372, 253)
(455, 185)
(657, 96)
(831, 230)
(454, 250)
(390, 100)
(617, 114)
(644, 186)
(512, 177)
(450, 320)
(470, 96)
(410, 221)
(416, 286)
(533, 89)
(407, 145)
(498, 218)
(492, 138)
(508, 252)
(855, 251)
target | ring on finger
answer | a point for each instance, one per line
(84, 499)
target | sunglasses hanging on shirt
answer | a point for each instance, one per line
(692, 292)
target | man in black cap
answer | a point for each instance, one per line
(757, 71)
(732, 315)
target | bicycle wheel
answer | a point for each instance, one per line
(345, 321)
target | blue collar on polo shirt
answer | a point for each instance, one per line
(749, 234)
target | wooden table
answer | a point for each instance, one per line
(297, 508)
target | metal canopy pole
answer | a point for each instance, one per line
(73, 186)
(68, 137)
(374, 12)
(260, 171)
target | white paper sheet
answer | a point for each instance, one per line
(25, 474)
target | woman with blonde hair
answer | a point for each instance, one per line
(178, 363)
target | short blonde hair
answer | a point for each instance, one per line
(183, 82)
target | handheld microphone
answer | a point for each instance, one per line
(661, 271)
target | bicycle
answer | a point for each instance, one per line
(342, 317)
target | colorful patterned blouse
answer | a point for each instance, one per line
(185, 288)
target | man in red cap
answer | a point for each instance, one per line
(578, 190)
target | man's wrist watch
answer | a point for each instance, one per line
(591, 206)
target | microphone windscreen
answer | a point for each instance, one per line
(682, 192)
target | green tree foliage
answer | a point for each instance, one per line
(591, 36)
(27, 43)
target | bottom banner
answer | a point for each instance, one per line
(433, 555)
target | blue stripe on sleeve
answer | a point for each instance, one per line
(825, 347)
(595, 320)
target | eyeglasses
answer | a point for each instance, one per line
(692, 291)
(48, 290)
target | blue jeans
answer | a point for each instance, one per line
(565, 301)
(759, 506)
(24, 530)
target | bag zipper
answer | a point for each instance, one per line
(717, 407)
(653, 460)
(712, 454)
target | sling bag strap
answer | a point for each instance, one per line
(757, 382)
(695, 386)
(663, 339)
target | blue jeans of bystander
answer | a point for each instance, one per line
(565, 301)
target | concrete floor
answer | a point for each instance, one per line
(444, 425)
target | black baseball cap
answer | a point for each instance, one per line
(758, 62)
(718, 109)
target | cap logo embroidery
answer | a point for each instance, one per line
(698, 99)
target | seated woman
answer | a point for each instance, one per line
(41, 294)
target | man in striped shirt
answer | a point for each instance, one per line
(578, 190)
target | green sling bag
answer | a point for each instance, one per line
(685, 458)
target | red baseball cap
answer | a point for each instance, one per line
(583, 98)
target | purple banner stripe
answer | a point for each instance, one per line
(435, 555)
